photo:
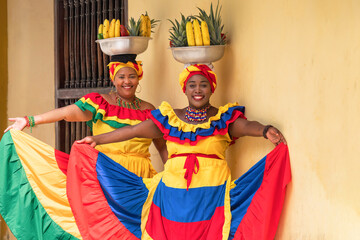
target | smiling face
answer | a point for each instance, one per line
(198, 91)
(126, 81)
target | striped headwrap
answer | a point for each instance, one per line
(201, 69)
(114, 67)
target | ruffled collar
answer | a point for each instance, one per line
(110, 110)
(166, 110)
(176, 130)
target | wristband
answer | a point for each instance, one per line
(266, 129)
(30, 122)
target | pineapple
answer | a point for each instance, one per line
(153, 23)
(214, 24)
(178, 36)
(134, 27)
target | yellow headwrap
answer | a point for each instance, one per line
(201, 69)
(114, 67)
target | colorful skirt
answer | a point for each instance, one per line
(109, 202)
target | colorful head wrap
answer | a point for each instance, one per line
(126, 60)
(201, 69)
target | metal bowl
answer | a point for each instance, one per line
(123, 45)
(198, 54)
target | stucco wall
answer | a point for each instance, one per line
(293, 64)
(3, 65)
(31, 62)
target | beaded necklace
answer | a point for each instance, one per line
(196, 115)
(135, 104)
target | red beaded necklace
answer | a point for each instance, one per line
(196, 115)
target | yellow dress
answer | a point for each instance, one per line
(193, 198)
(132, 154)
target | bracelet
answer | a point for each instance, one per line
(266, 129)
(30, 122)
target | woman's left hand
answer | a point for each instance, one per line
(275, 136)
(88, 140)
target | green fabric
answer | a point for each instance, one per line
(97, 116)
(19, 206)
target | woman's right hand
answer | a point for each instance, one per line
(88, 140)
(19, 124)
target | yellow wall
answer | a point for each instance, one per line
(3, 65)
(293, 64)
(31, 62)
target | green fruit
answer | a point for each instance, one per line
(100, 36)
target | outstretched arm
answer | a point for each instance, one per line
(71, 113)
(146, 129)
(242, 127)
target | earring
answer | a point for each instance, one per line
(113, 90)
(139, 90)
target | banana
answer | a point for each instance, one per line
(112, 29)
(197, 33)
(117, 28)
(190, 34)
(205, 33)
(148, 26)
(100, 31)
(106, 29)
(143, 26)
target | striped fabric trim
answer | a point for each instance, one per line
(113, 115)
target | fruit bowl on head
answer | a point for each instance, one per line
(123, 45)
(198, 54)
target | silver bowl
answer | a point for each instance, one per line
(198, 54)
(123, 45)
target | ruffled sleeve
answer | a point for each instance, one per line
(176, 130)
(112, 115)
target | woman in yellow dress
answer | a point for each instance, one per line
(33, 180)
(194, 197)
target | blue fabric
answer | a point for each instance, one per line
(175, 132)
(242, 194)
(196, 204)
(125, 192)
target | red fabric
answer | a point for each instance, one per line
(160, 228)
(114, 110)
(92, 213)
(62, 160)
(165, 131)
(267, 202)
(190, 163)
